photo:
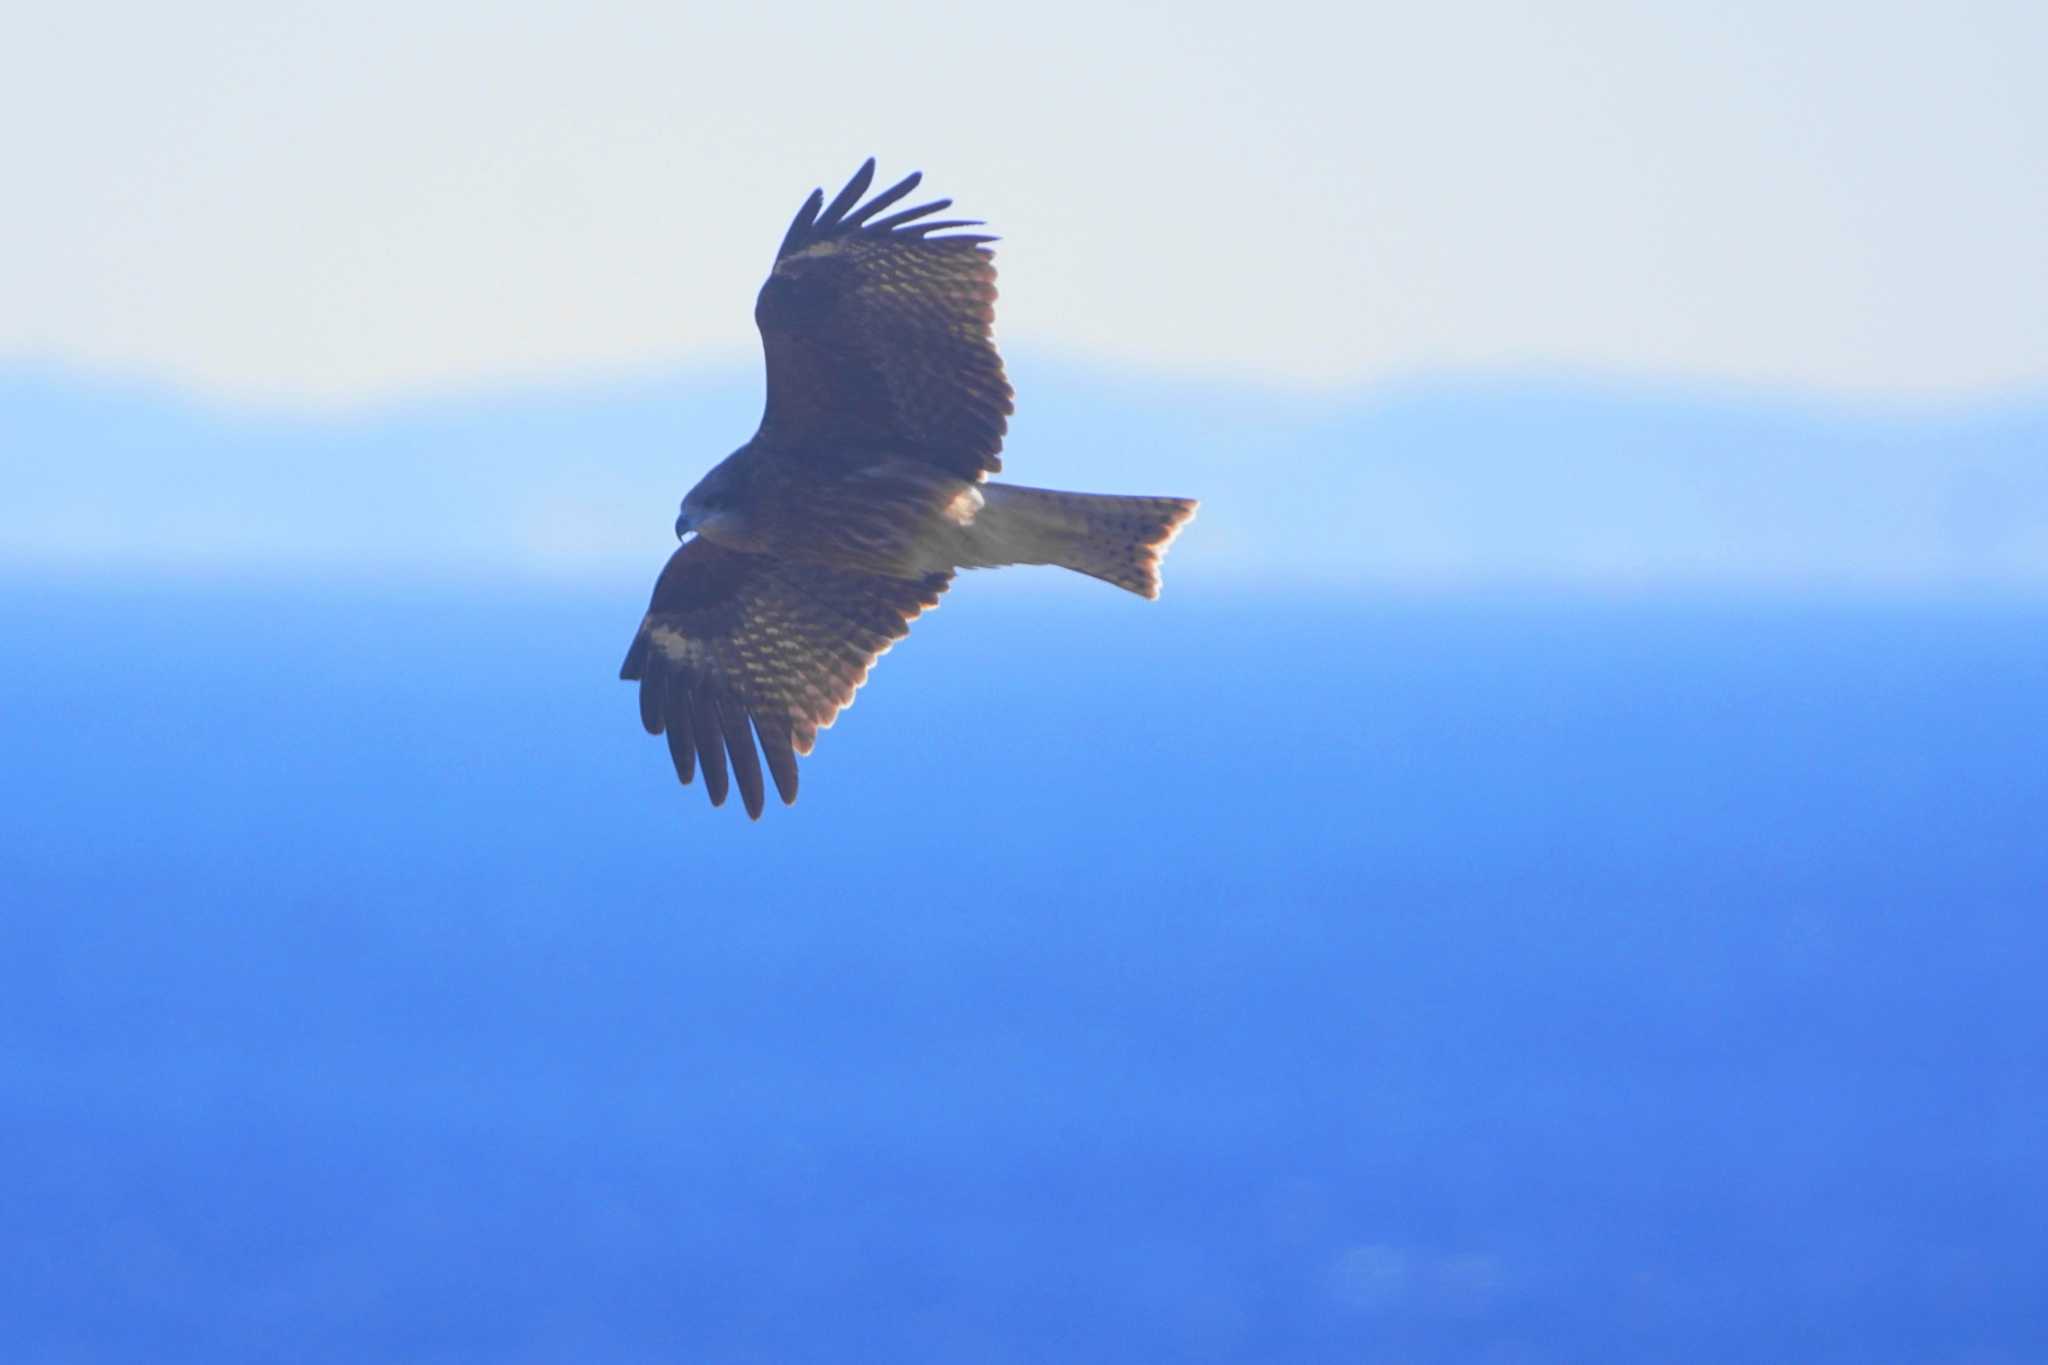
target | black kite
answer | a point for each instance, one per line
(818, 541)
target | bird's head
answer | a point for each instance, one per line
(716, 508)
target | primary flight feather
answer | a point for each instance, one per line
(818, 541)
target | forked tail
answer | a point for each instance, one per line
(1108, 536)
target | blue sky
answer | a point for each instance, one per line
(335, 204)
(1420, 963)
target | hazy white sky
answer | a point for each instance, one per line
(341, 201)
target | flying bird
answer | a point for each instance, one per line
(808, 551)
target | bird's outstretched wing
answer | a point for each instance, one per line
(877, 335)
(736, 647)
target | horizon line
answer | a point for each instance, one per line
(709, 370)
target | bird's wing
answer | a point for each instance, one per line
(736, 647)
(877, 335)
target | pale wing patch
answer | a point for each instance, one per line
(964, 506)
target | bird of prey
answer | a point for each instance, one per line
(808, 551)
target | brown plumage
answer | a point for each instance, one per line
(821, 539)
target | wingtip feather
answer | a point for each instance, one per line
(885, 199)
(682, 744)
(746, 764)
(800, 226)
(710, 737)
(849, 196)
(651, 686)
(777, 748)
(818, 220)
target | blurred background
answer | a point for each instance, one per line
(1558, 876)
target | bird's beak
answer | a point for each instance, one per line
(682, 526)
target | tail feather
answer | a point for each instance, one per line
(1109, 536)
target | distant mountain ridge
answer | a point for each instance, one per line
(1453, 482)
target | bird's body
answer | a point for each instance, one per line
(863, 491)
